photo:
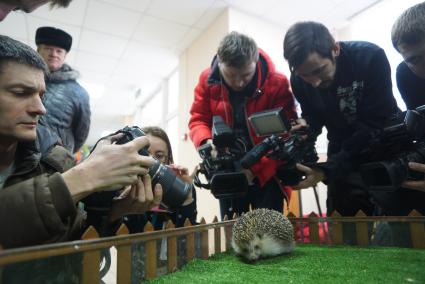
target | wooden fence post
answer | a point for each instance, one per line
(227, 234)
(291, 217)
(91, 259)
(150, 257)
(361, 230)
(335, 229)
(217, 237)
(190, 242)
(123, 258)
(171, 249)
(417, 232)
(204, 241)
(313, 229)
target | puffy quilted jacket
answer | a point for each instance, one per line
(68, 108)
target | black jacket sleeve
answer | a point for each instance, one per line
(374, 106)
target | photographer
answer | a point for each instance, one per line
(39, 195)
(346, 87)
(160, 148)
(242, 80)
(408, 38)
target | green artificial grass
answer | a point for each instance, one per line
(309, 264)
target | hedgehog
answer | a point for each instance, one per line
(262, 233)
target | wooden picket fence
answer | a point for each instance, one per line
(91, 245)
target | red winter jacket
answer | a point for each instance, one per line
(211, 98)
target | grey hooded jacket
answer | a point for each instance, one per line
(68, 108)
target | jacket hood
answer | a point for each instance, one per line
(27, 157)
(65, 73)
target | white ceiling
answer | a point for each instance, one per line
(120, 46)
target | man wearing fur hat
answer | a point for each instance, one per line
(67, 103)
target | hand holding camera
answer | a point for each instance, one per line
(137, 198)
(132, 149)
(117, 161)
(285, 142)
(220, 163)
(213, 151)
(415, 184)
(109, 167)
(390, 151)
(312, 177)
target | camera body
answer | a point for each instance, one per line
(391, 149)
(175, 191)
(297, 147)
(223, 172)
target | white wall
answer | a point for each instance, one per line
(193, 60)
(268, 36)
(375, 25)
(103, 124)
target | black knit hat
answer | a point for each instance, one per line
(53, 36)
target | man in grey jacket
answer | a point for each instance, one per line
(67, 103)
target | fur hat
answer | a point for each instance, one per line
(53, 36)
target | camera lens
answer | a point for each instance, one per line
(175, 191)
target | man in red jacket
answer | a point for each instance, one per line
(242, 80)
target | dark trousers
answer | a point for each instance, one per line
(400, 202)
(270, 196)
(348, 196)
(397, 203)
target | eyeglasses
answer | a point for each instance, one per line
(161, 157)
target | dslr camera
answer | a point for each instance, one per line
(223, 172)
(390, 150)
(175, 191)
(293, 148)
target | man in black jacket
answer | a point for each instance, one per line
(346, 87)
(408, 37)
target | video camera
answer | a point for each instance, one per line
(392, 148)
(294, 148)
(223, 172)
(175, 191)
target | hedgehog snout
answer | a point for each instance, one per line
(255, 249)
